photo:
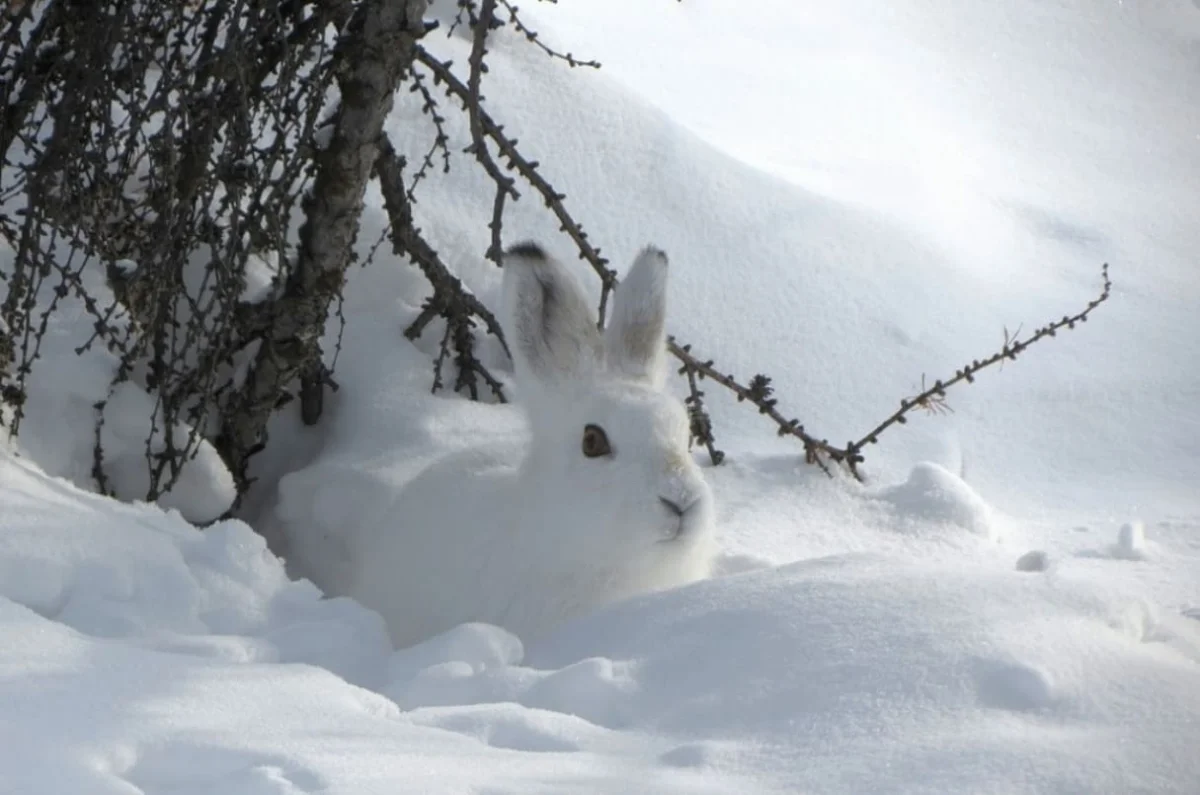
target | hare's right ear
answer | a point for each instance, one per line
(550, 328)
(635, 340)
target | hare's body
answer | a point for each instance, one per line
(462, 555)
(602, 503)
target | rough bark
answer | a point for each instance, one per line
(376, 51)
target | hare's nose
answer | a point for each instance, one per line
(675, 507)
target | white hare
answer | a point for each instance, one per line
(604, 503)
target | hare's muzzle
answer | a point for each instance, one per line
(680, 512)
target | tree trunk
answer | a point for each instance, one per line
(375, 52)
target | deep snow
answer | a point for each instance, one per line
(851, 195)
(142, 655)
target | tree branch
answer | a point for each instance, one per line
(450, 299)
(757, 393)
(932, 398)
(528, 170)
(532, 36)
(936, 394)
(479, 147)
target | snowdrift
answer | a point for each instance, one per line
(143, 655)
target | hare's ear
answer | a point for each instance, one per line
(635, 340)
(551, 330)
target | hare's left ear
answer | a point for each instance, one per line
(635, 339)
(550, 328)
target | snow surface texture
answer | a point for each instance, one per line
(1009, 606)
(143, 655)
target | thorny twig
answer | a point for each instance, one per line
(532, 36)
(1010, 350)
(528, 169)
(931, 399)
(450, 299)
(479, 146)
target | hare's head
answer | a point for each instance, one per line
(609, 465)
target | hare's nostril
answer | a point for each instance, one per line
(671, 506)
(679, 508)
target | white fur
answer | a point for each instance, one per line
(525, 538)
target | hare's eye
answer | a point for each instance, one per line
(595, 442)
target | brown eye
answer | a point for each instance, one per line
(595, 442)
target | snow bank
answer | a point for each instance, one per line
(136, 574)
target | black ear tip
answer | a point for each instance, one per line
(527, 249)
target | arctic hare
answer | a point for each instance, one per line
(604, 502)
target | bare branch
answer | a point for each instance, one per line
(450, 299)
(429, 107)
(699, 423)
(533, 38)
(758, 393)
(528, 169)
(479, 146)
(1010, 350)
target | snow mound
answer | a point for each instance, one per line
(934, 496)
(116, 571)
(889, 658)
(1130, 544)
(1131, 541)
(204, 489)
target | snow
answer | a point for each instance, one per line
(143, 654)
(1131, 540)
(851, 195)
(65, 399)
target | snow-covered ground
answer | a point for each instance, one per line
(852, 195)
